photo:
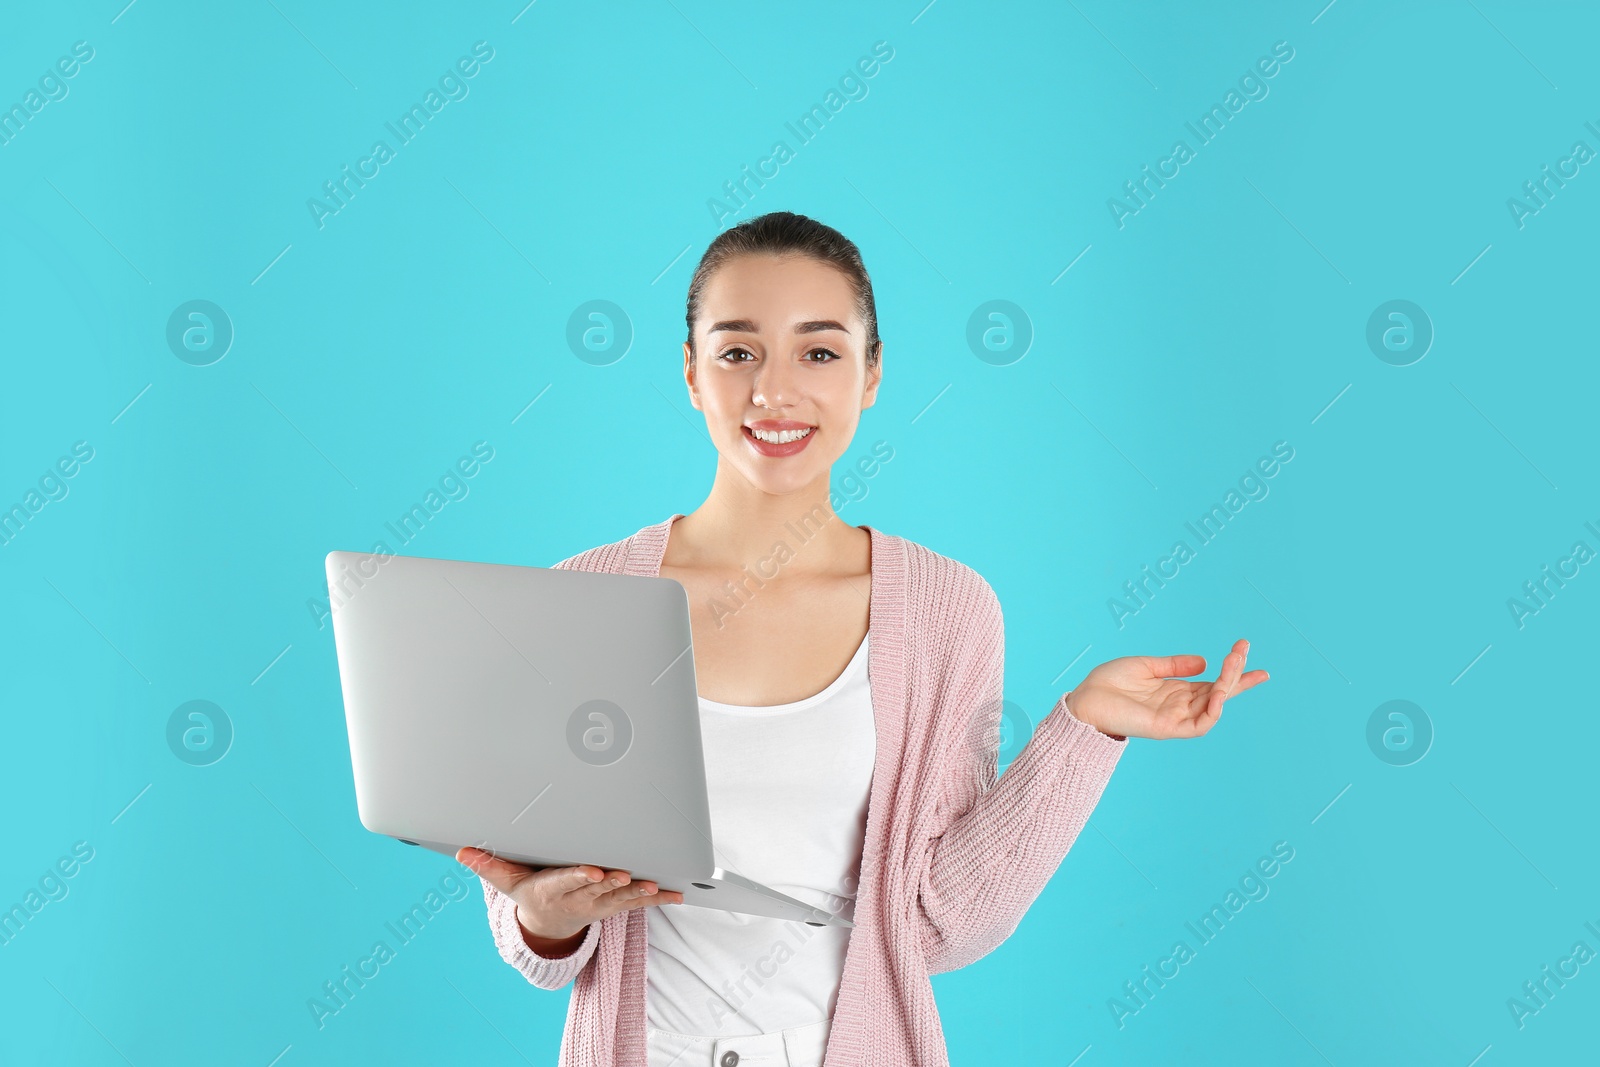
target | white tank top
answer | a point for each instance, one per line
(788, 787)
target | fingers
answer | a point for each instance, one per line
(556, 901)
(596, 885)
(1174, 666)
(607, 883)
(502, 874)
(1224, 686)
(1233, 666)
(584, 879)
(1248, 680)
(590, 887)
(1231, 681)
(637, 895)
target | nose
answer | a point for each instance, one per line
(774, 386)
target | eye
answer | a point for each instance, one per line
(725, 356)
(830, 353)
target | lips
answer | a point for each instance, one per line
(777, 450)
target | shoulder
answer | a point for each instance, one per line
(945, 593)
(955, 634)
(614, 555)
(608, 557)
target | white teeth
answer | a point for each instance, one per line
(779, 437)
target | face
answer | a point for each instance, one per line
(781, 355)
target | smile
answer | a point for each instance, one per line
(778, 443)
(780, 437)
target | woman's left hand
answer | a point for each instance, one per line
(1145, 696)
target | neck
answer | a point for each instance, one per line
(738, 525)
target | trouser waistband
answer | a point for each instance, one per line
(800, 1046)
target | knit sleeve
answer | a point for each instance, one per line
(542, 971)
(994, 842)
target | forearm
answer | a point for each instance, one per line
(992, 862)
(545, 962)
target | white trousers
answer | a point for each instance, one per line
(801, 1046)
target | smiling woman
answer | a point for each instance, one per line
(791, 370)
(850, 722)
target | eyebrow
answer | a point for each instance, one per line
(748, 326)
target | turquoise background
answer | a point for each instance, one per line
(1228, 314)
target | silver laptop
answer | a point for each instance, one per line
(547, 716)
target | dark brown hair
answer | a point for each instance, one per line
(780, 233)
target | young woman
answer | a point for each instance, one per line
(851, 686)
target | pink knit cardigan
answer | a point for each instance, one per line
(953, 854)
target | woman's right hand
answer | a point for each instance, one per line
(558, 903)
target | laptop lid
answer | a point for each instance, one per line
(550, 716)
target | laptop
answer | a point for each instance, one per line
(548, 716)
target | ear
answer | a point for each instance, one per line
(874, 378)
(689, 369)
